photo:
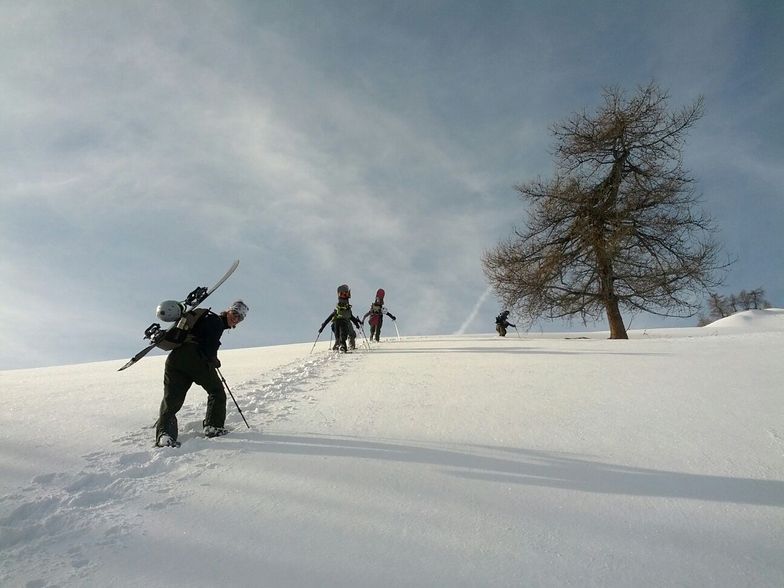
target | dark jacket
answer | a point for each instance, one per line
(502, 320)
(208, 332)
(347, 315)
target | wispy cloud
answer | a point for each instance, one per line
(144, 148)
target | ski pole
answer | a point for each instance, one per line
(394, 322)
(225, 385)
(316, 341)
(518, 333)
(362, 330)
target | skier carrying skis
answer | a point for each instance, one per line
(194, 359)
(376, 313)
(501, 323)
(342, 319)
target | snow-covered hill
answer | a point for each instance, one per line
(541, 460)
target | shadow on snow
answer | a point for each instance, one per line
(532, 468)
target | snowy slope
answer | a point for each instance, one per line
(541, 460)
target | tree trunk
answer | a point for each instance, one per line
(617, 328)
(605, 273)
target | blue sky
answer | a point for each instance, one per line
(145, 145)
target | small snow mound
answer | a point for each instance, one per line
(769, 319)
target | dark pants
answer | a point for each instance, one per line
(343, 331)
(501, 329)
(184, 367)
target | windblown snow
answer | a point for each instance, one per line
(463, 460)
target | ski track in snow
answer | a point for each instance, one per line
(66, 516)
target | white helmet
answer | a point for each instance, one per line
(239, 308)
(170, 310)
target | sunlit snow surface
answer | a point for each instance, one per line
(531, 460)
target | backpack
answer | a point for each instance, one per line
(180, 333)
(343, 311)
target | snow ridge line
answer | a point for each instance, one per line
(66, 515)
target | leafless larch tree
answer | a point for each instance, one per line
(618, 226)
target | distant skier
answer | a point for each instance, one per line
(376, 313)
(501, 323)
(194, 359)
(342, 319)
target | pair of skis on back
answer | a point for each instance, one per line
(155, 333)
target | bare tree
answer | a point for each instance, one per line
(755, 299)
(617, 227)
(722, 306)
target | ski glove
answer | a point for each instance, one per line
(214, 363)
(392, 316)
